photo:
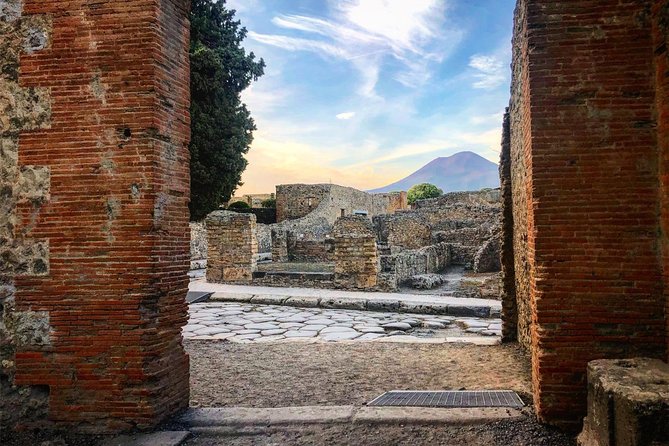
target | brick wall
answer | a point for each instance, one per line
(355, 253)
(403, 230)
(232, 254)
(661, 41)
(113, 76)
(297, 200)
(585, 200)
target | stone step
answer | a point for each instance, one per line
(214, 421)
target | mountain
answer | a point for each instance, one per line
(460, 172)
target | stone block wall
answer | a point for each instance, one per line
(295, 201)
(403, 230)
(397, 269)
(584, 175)
(94, 221)
(232, 247)
(310, 250)
(355, 254)
(279, 245)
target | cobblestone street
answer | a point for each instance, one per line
(238, 322)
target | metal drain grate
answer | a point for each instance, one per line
(459, 398)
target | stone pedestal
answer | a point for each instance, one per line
(628, 403)
(356, 255)
(232, 254)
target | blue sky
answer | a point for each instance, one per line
(364, 92)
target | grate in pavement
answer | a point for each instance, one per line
(455, 398)
(193, 297)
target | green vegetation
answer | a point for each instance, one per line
(270, 203)
(239, 205)
(423, 191)
(221, 125)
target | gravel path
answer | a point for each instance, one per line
(239, 322)
(290, 374)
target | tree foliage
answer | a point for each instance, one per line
(239, 205)
(270, 203)
(221, 125)
(423, 191)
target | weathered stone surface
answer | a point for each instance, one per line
(232, 247)
(356, 256)
(426, 281)
(628, 403)
(487, 258)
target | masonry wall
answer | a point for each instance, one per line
(355, 254)
(661, 43)
(584, 173)
(232, 244)
(295, 201)
(95, 187)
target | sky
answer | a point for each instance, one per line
(364, 92)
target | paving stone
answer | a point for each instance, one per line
(245, 337)
(274, 332)
(245, 332)
(397, 326)
(338, 330)
(489, 333)
(379, 330)
(289, 325)
(312, 328)
(295, 318)
(343, 324)
(222, 336)
(321, 321)
(211, 331)
(194, 327)
(300, 334)
(497, 327)
(339, 336)
(474, 323)
(270, 338)
(437, 325)
(261, 326)
(475, 329)
(396, 333)
(412, 322)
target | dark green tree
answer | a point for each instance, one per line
(221, 125)
(423, 191)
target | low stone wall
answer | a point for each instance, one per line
(232, 247)
(396, 269)
(323, 280)
(310, 250)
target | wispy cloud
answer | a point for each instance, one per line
(364, 32)
(345, 116)
(490, 71)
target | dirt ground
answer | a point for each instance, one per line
(297, 374)
(276, 375)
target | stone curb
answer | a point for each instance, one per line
(349, 303)
(164, 438)
(223, 420)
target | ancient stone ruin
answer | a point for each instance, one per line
(306, 249)
(94, 233)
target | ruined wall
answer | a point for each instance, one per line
(233, 247)
(297, 200)
(404, 230)
(329, 200)
(310, 250)
(356, 256)
(585, 203)
(398, 268)
(198, 241)
(94, 221)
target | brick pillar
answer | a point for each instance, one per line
(356, 256)
(94, 216)
(661, 41)
(279, 245)
(584, 157)
(232, 247)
